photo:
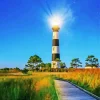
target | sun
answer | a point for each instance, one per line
(55, 21)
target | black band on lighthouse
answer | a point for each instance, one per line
(54, 56)
(55, 42)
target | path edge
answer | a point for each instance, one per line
(93, 95)
(57, 91)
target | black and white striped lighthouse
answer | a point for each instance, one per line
(55, 47)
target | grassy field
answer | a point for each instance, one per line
(40, 85)
(88, 79)
(35, 87)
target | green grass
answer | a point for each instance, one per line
(23, 88)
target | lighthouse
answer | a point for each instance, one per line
(55, 22)
(55, 47)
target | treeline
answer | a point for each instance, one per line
(35, 64)
(91, 61)
(10, 70)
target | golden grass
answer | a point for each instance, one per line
(42, 83)
(42, 80)
(87, 78)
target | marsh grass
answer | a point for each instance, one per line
(88, 79)
(27, 88)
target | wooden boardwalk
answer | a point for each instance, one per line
(67, 91)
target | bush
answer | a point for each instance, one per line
(25, 71)
(29, 72)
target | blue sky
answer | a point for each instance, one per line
(25, 31)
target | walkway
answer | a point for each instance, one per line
(67, 91)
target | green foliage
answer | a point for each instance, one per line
(23, 88)
(17, 68)
(57, 59)
(11, 89)
(47, 93)
(48, 65)
(42, 65)
(9, 70)
(25, 71)
(76, 63)
(29, 72)
(97, 91)
(4, 70)
(92, 61)
(62, 65)
(34, 62)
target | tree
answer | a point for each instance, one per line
(57, 59)
(6, 68)
(76, 63)
(42, 65)
(17, 68)
(48, 65)
(62, 65)
(25, 70)
(92, 61)
(33, 62)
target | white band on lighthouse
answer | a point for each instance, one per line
(55, 35)
(55, 49)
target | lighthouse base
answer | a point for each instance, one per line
(55, 64)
